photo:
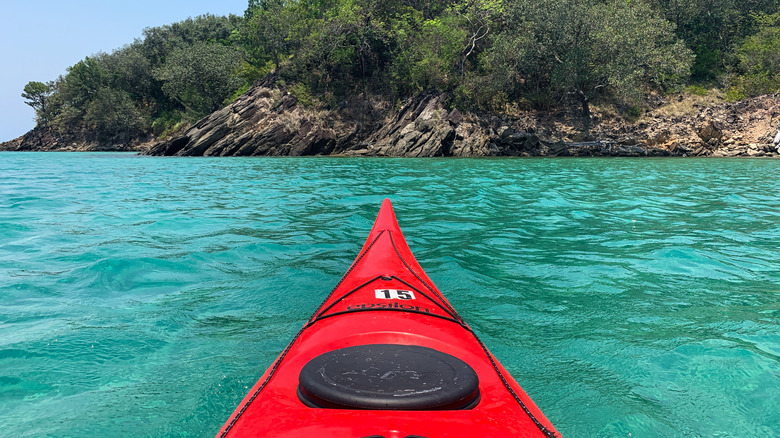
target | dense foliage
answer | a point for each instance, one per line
(489, 54)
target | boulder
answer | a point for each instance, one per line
(421, 129)
(710, 133)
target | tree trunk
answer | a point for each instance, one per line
(585, 101)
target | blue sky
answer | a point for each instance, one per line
(40, 39)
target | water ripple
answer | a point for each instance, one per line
(626, 296)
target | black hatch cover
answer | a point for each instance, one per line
(388, 377)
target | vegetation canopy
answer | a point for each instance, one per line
(487, 54)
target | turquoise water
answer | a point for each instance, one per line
(143, 296)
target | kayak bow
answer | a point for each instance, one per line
(386, 356)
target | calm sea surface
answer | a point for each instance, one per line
(143, 296)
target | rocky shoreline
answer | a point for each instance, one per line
(270, 121)
(45, 140)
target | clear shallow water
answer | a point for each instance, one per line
(143, 296)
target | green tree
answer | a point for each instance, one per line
(129, 70)
(271, 24)
(432, 58)
(711, 28)
(200, 77)
(344, 46)
(584, 50)
(82, 82)
(113, 116)
(38, 96)
(479, 19)
(759, 58)
(159, 42)
(127, 92)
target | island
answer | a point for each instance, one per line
(430, 79)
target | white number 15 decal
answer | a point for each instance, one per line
(394, 294)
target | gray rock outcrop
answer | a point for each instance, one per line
(263, 121)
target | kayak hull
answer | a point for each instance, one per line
(385, 298)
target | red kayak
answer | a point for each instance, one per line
(386, 355)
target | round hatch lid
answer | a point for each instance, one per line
(389, 377)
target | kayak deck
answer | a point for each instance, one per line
(386, 355)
